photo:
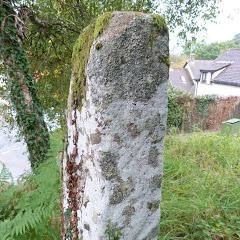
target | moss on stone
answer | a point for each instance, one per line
(161, 25)
(152, 38)
(160, 22)
(165, 59)
(101, 23)
(80, 56)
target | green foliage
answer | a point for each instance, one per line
(201, 196)
(186, 113)
(188, 18)
(113, 233)
(202, 105)
(31, 209)
(5, 174)
(211, 51)
(49, 46)
(175, 111)
(160, 22)
(23, 93)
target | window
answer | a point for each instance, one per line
(203, 77)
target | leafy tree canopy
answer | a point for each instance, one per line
(52, 26)
(202, 50)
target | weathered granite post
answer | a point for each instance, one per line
(112, 169)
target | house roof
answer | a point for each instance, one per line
(197, 65)
(180, 79)
(215, 65)
(231, 74)
(230, 60)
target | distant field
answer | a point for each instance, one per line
(201, 188)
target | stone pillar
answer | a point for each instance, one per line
(117, 111)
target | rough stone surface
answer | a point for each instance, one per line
(113, 163)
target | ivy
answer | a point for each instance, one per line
(202, 109)
(202, 105)
(186, 112)
(175, 110)
(22, 88)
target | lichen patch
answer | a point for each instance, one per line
(95, 138)
(117, 138)
(133, 130)
(127, 212)
(121, 191)
(108, 164)
(153, 156)
(156, 181)
(153, 206)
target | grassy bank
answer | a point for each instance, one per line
(201, 192)
(201, 189)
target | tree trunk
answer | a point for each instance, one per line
(117, 110)
(22, 87)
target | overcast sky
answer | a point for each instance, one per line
(228, 22)
(226, 25)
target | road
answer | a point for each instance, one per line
(12, 153)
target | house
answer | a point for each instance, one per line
(219, 77)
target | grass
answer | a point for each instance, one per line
(201, 189)
(201, 196)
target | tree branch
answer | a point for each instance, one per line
(47, 24)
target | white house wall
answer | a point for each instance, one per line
(189, 70)
(217, 89)
(209, 77)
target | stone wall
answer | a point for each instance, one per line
(117, 112)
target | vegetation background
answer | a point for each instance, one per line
(201, 182)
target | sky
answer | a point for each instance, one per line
(225, 26)
(227, 22)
